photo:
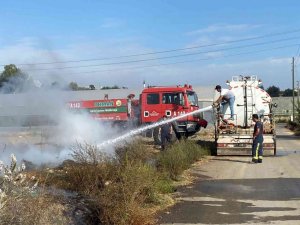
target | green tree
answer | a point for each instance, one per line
(73, 86)
(273, 91)
(115, 87)
(92, 87)
(112, 87)
(13, 79)
(288, 92)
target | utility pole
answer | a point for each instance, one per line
(298, 89)
(293, 77)
(298, 103)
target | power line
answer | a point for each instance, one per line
(187, 61)
(166, 51)
(168, 57)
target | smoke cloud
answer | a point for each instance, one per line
(38, 127)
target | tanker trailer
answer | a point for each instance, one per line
(234, 137)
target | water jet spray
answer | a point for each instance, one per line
(151, 126)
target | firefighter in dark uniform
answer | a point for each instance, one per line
(166, 133)
(257, 148)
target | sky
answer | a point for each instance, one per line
(161, 42)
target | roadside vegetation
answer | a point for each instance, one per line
(23, 202)
(295, 125)
(127, 188)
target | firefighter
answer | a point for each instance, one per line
(257, 149)
(166, 133)
(226, 97)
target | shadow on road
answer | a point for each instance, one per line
(287, 137)
(210, 145)
(247, 159)
(236, 201)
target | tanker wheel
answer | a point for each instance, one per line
(275, 148)
(214, 150)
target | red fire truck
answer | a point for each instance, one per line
(153, 104)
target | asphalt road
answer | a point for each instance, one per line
(230, 190)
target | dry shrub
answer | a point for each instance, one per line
(33, 210)
(22, 203)
(121, 187)
(88, 154)
(82, 177)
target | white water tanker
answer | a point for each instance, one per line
(235, 136)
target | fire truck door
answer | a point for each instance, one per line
(172, 103)
(151, 109)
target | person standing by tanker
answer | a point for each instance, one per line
(165, 132)
(257, 149)
(226, 97)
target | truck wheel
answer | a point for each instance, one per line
(148, 134)
(214, 151)
(181, 136)
(275, 148)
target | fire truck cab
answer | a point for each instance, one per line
(155, 102)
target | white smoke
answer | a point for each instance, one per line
(52, 142)
(37, 155)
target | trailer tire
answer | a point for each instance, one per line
(214, 151)
(275, 148)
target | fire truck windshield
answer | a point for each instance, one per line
(172, 98)
(192, 98)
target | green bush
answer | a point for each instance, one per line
(179, 157)
(297, 131)
(124, 197)
(135, 151)
(173, 161)
(194, 152)
(164, 185)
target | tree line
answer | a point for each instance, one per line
(14, 80)
(274, 91)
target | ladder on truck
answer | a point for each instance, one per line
(249, 104)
